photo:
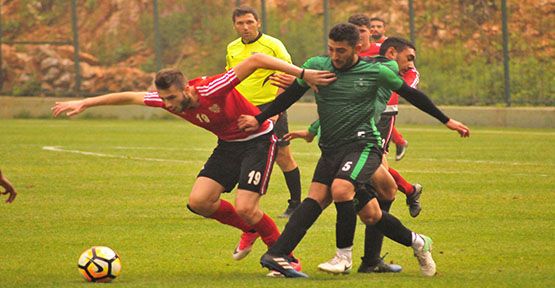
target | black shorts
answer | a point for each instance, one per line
(247, 163)
(385, 126)
(355, 162)
(281, 127)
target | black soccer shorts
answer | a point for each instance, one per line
(247, 164)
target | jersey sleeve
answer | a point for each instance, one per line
(281, 52)
(153, 100)
(314, 127)
(218, 85)
(227, 55)
(412, 77)
(389, 79)
(392, 65)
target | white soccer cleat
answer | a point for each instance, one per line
(424, 256)
(245, 245)
(339, 264)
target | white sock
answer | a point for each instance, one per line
(345, 252)
(417, 241)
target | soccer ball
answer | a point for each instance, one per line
(99, 264)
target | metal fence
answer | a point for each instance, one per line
(304, 32)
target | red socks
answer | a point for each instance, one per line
(267, 229)
(402, 184)
(226, 214)
(396, 137)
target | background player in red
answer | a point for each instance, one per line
(363, 24)
(242, 158)
(376, 28)
(377, 36)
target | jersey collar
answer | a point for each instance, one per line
(255, 39)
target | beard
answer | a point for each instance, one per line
(345, 65)
(376, 36)
(184, 104)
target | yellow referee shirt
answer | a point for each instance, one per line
(256, 88)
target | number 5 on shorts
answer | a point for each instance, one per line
(347, 166)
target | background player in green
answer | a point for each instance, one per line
(259, 91)
(351, 153)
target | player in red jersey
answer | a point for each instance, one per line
(377, 35)
(363, 24)
(242, 158)
(8, 187)
(376, 27)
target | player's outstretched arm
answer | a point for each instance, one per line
(8, 187)
(258, 60)
(424, 103)
(75, 107)
(459, 127)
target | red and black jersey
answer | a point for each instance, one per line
(411, 77)
(220, 105)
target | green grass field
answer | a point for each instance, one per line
(488, 204)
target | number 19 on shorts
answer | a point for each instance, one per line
(254, 177)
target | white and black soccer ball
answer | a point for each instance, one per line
(99, 264)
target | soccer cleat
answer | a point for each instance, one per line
(339, 264)
(293, 205)
(245, 245)
(275, 274)
(424, 256)
(401, 150)
(295, 263)
(413, 200)
(281, 264)
(379, 267)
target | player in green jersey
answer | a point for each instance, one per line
(351, 154)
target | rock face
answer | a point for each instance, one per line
(53, 68)
(119, 26)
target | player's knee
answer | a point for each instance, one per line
(200, 207)
(247, 212)
(342, 191)
(387, 192)
(192, 210)
(285, 160)
(370, 215)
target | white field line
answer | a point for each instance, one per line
(315, 154)
(443, 130)
(61, 149)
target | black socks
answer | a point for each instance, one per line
(296, 228)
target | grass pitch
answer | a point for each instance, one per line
(488, 203)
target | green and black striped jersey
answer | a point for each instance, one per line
(349, 108)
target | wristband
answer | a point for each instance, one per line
(302, 74)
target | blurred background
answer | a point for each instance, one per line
(91, 47)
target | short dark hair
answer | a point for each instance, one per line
(168, 77)
(345, 32)
(243, 10)
(398, 43)
(359, 20)
(378, 19)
